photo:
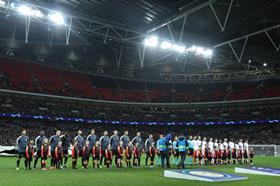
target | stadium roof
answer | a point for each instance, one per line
(109, 34)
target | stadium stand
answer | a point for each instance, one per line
(37, 78)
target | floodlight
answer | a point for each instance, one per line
(12, 5)
(265, 64)
(199, 51)
(24, 10)
(56, 18)
(165, 45)
(192, 49)
(208, 53)
(37, 13)
(178, 48)
(151, 41)
(2, 3)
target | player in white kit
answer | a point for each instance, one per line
(246, 151)
(240, 151)
(203, 150)
(230, 150)
(211, 151)
(220, 152)
(195, 149)
(216, 151)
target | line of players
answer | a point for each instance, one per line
(127, 153)
(194, 150)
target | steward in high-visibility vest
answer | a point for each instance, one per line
(162, 144)
(182, 146)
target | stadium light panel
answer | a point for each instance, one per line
(165, 45)
(56, 18)
(199, 51)
(28, 11)
(24, 10)
(192, 49)
(2, 3)
(37, 13)
(12, 5)
(151, 41)
(178, 48)
(208, 53)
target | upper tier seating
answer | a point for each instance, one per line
(18, 75)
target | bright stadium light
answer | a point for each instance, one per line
(24, 10)
(57, 18)
(2, 3)
(165, 45)
(208, 53)
(265, 64)
(151, 41)
(199, 51)
(28, 11)
(178, 48)
(37, 13)
(12, 5)
(192, 49)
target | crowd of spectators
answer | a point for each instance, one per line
(16, 104)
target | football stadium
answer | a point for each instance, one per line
(140, 92)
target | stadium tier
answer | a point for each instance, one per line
(18, 75)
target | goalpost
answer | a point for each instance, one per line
(266, 150)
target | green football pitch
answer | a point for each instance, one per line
(125, 176)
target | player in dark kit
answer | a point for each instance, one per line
(138, 140)
(148, 143)
(104, 141)
(45, 153)
(38, 144)
(152, 153)
(92, 139)
(29, 155)
(108, 156)
(125, 139)
(75, 155)
(96, 154)
(65, 139)
(53, 143)
(86, 154)
(114, 142)
(128, 154)
(21, 144)
(80, 140)
(59, 155)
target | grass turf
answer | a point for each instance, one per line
(124, 177)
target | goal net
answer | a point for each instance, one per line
(266, 150)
